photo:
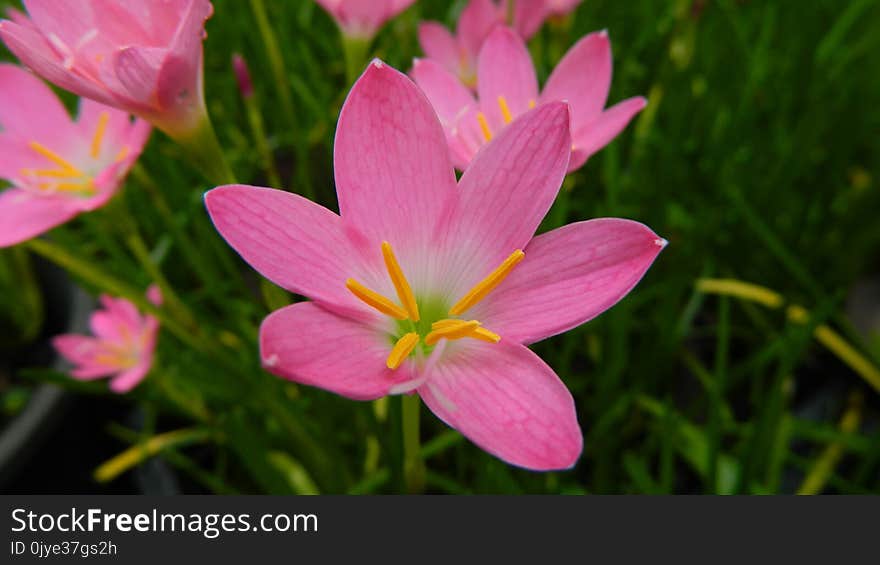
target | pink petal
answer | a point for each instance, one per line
(29, 110)
(70, 21)
(309, 345)
(128, 379)
(133, 73)
(105, 326)
(506, 191)
(119, 24)
(449, 98)
(34, 51)
(78, 349)
(505, 69)
(90, 372)
(569, 276)
(290, 240)
(116, 131)
(24, 215)
(508, 402)
(582, 78)
(477, 19)
(528, 16)
(439, 45)
(393, 172)
(15, 155)
(595, 135)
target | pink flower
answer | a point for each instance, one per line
(458, 53)
(508, 87)
(473, 286)
(57, 167)
(141, 56)
(363, 18)
(122, 348)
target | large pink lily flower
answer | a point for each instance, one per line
(122, 347)
(57, 167)
(508, 88)
(473, 286)
(361, 19)
(458, 53)
(141, 56)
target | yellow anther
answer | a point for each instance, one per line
(99, 134)
(54, 173)
(485, 335)
(461, 329)
(402, 349)
(531, 104)
(505, 110)
(87, 186)
(488, 284)
(404, 292)
(484, 126)
(376, 300)
(123, 153)
(54, 157)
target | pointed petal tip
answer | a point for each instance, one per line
(661, 243)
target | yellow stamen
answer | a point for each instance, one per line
(87, 186)
(404, 292)
(376, 300)
(485, 335)
(55, 173)
(505, 110)
(484, 126)
(99, 134)
(54, 157)
(459, 330)
(402, 349)
(123, 153)
(488, 284)
(531, 104)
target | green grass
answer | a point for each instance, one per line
(756, 158)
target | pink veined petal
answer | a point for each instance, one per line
(504, 194)
(29, 110)
(34, 51)
(118, 24)
(595, 135)
(130, 378)
(24, 215)
(439, 45)
(505, 69)
(569, 276)
(15, 155)
(310, 345)
(506, 400)
(133, 75)
(18, 17)
(477, 19)
(180, 80)
(70, 21)
(447, 95)
(528, 16)
(290, 240)
(582, 78)
(393, 172)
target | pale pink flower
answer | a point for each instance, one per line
(141, 56)
(122, 347)
(458, 53)
(57, 167)
(361, 19)
(508, 87)
(424, 284)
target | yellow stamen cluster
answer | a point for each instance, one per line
(506, 115)
(447, 328)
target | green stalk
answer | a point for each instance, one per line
(203, 148)
(413, 464)
(356, 50)
(255, 119)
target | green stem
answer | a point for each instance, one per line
(413, 464)
(356, 50)
(255, 118)
(203, 148)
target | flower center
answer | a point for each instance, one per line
(439, 323)
(66, 177)
(505, 115)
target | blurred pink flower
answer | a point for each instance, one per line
(122, 347)
(141, 56)
(458, 53)
(57, 167)
(508, 87)
(473, 285)
(362, 18)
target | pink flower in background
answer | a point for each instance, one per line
(560, 7)
(363, 18)
(435, 287)
(57, 167)
(508, 87)
(122, 347)
(141, 56)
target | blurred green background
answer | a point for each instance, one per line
(756, 158)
